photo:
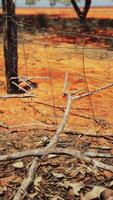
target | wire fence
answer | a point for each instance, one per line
(45, 57)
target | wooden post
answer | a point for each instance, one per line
(10, 46)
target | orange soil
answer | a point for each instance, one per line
(67, 12)
(56, 62)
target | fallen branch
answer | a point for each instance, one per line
(59, 151)
(48, 127)
(62, 124)
(11, 96)
(37, 77)
(65, 83)
(90, 134)
(20, 88)
(50, 149)
(93, 92)
(21, 193)
(98, 155)
(79, 155)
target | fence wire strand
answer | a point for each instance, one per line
(46, 44)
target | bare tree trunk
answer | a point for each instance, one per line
(81, 14)
(10, 46)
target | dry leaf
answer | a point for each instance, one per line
(111, 184)
(77, 170)
(52, 156)
(75, 186)
(58, 175)
(32, 196)
(18, 165)
(1, 190)
(37, 181)
(94, 193)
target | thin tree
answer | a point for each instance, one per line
(81, 13)
(10, 46)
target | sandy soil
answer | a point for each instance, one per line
(105, 12)
(54, 61)
(93, 13)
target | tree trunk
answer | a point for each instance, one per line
(81, 14)
(10, 46)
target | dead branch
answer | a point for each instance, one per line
(40, 125)
(79, 155)
(42, 152)
(23, 154)
(20, 88)
(37, 77)
(89, 134)
(62, 124)
(21, 193)
(62, 108)
(92, 92)
(11, 96)
(74, 132)
(59, 151)
(98, 155)
(50, 149)
(65, 83)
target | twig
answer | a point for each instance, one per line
(59, 151)
(37, 77)
(21, 89)
(62, 108)
(91, 134)
(65, 83)
(52, 143)
(22, 80)
(10, 96)
(21, 193)
(26, 182)
(54, 128)
(50, 149)
(101, 147)
(98, 155)
(92, 92)
(62, 124)
(85, 158)
(72, 92)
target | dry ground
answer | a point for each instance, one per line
(50, 55)
(67, 12)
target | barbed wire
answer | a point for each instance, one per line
(72, 33)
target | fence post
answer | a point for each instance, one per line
(10, 46)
